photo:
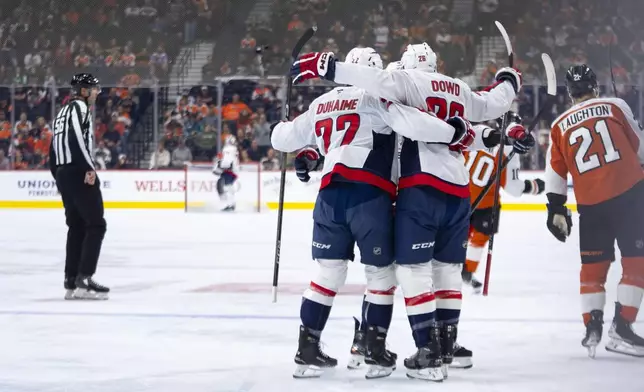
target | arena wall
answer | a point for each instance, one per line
(166, 190)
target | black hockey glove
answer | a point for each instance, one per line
(534, 187)
(523, 146)
(306, 161)
(559, 218)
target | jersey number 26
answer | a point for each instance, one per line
(346, 125)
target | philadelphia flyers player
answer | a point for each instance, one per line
(482, 165)
(598, 142)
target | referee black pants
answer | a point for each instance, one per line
(84, 216)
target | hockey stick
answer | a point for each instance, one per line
(497, 181)
(552, 92)
(610, 65)
(308, 34)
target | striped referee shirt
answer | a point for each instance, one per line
(73, 139)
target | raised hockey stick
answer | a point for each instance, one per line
(308, 34)
(610, 65)
(552, 92)
(497, 181)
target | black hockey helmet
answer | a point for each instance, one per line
(84, 80)
(581, 81)
(512, 118)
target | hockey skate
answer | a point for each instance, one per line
(594, 330)
(310, 359)
(86, 288)
(381, 361)
(70, 287)
(359, 348)
(623, 339)
(426, 363)
(470, 280)
(462, 358)
(448, 342)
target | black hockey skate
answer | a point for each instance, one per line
(426, 363)
(86, 288)
(359, 348)
(462, 358)
(310, 359)
(381, 361)
(448, 341)
(70, 286)
(623, 339)
(594, 330)
(470, 280)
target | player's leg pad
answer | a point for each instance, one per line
(379, 298)
(631, 287)
(420, 302)
(318, 297)
(448, 284)
(592, 290)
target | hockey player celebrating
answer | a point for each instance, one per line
(601, 145)
(432, 210)
(226, 166)
(481, 165)
(353, 129)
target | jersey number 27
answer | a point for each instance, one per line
(346, 125)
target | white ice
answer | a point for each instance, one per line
(171, 324)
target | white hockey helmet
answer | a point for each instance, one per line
(364, 56)
(394, 66)
(419, 56)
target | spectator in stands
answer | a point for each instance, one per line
(262, 132)
(253, 153)
(270, 161)
(160, 158)
(204, 144)
(5, 164)
(232, 110)
(102, 156)
(181, 154)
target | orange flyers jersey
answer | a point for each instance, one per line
(482, 166)
(601, 145)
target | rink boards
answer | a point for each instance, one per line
(167, 190)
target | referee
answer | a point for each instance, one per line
(71, 164)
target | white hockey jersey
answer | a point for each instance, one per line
(423, 163)
(227, 161)
(353, 130)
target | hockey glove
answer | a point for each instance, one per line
(306, 161)
(559, 219)
(534, 187)
(312, 66)
(512, 75)
(523, 141)
(463, 134)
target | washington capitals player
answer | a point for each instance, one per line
(226, 166)
(354, 131)
(432, 210)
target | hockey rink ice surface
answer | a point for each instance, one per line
(191, 310)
